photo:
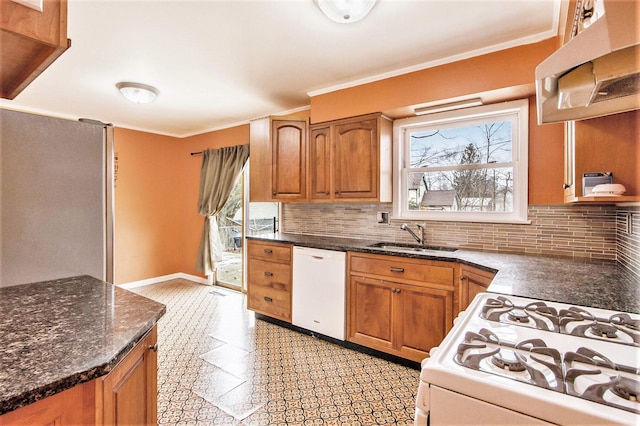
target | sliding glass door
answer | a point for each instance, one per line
(239, 218)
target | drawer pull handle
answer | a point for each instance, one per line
(268, 251)
(154, 347)
(318, 257)
(394, 269)
(268, 274)
(268, 299)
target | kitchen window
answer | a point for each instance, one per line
(464, 165)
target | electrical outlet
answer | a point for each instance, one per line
(383, 218)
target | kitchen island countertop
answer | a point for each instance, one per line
(61, 333)
(595, 283)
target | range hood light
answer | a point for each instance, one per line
(448, 106)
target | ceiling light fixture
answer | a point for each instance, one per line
(137, 92)
(345, 11)
(448, 107)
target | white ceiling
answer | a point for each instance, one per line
(219, 63)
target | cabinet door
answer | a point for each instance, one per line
(370, 313)
(472, 282)
(356, 160)
(423, 316)
(75, 406)
(130, 390)
(320, 163)
(289, 144)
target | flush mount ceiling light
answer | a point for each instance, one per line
(448, 107)
(345, 11)
(137, 92)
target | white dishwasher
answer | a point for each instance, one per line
(319, 291)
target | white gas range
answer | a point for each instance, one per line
(514, 360)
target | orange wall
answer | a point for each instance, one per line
(546, 160)
(504, 69)
(157, 223)
(147, 201)
(507, 68)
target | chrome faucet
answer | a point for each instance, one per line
(421, 227)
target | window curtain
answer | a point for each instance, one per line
(220, 169)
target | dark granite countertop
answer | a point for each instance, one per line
(57, 334)
(600, 284)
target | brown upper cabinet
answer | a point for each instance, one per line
(604, 144)
(350, 159)
(31, 40)
(278, 159)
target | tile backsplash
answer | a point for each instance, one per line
(577, 231)
(628, 238)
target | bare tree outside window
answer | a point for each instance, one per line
(465, 168)
(466, 165)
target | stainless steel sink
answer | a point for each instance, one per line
(412, 248)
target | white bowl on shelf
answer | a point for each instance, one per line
(608, 190)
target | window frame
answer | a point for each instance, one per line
(518, 109)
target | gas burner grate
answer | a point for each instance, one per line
(583, 373)
(529, 361)
(591, 375)
(576, 321)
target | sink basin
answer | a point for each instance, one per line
(413, 248)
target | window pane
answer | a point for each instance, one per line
(478, 144)
(263, 218)
(465, 190)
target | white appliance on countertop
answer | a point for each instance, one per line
(319, 291)
(514, 360)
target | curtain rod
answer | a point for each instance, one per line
(196, 153)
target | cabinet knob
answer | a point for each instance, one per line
(154, 347)
(268, 251)
(273, 193)
(566, 186)
(395, 290)
(394, 269)
(268, 274)
(462, 278)
(337, 192)
(268, 299)
(326, 193)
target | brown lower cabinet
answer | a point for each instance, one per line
(269, 287)
(125, 396)
(129, 393)
(400, 306)
(472, 281)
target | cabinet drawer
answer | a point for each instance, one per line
(269, 275)
(397, 268)
(269, 301)
(269, 251)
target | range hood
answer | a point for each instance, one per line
(597, 72)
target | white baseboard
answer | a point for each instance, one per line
(156, 280)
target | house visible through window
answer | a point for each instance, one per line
(467, 165)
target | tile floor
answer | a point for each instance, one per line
(217, 364)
